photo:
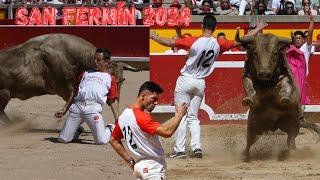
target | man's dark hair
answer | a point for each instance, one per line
(209, 22)
(221, 34)
(150, 86)
(208, 1)
(299, 33)
(106, 53)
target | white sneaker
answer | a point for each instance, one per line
(78, 133)
(110, 127)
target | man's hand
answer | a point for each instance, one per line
(60, 114)
(261, 25)
(131, 163)
(181, 109)
(152, 34)
(309, 13)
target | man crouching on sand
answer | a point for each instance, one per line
(143, 150)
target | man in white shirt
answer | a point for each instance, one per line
(190, 85)
(143, 149)
(304, 44)
(95, 88)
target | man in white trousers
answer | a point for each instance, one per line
(95, 88)
(190, 85)
(143, 150)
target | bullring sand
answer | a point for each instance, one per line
(29, 150)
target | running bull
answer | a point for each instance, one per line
(272, 93)
(47, 64)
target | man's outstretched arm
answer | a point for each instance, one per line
(162, 40)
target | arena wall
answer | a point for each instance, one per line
(224, 91)
(122, 41)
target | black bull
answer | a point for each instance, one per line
(272, 93)
(47, 64)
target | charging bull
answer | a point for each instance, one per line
(272, 93)
(47, 64)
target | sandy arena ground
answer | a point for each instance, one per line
(29, 150)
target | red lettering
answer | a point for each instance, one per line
(129, 16)
(185, 16)
(149, 14)
(161, 16)
(106, 18)
(35, 16)
(49, 15)
(120, 12)
(94, 15)
(81, 16)
(68, 14)
(173, 16)
(114, 16)
(21, 18)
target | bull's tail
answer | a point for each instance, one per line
(130, 68)
(312, 127)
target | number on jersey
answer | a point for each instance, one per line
(128, 135)
(205, 58)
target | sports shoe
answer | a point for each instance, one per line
(78, 133)
(178, 155)
(110, 126)
(80, 130)
(197, 153)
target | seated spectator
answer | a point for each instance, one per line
(261, 6)
(137, 1)
(306, 7)
(278, 6)
(79, 2)
(206, 7)
(289, 9)
(8, 2)
(241, 5)
(314, 4)
(138, 13)
(225, 8)
(193, 4)
(157, 3)
(176, 4)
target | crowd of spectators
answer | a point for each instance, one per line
(202, 7)
(103, 2)
(247, 7)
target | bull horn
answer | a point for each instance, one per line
(284, 40)
(237, 38)
(247, 39)
(130, 68)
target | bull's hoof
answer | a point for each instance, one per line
(246, 159)
(4, 123)
(283, 155)
(247, 101)
(285, 101)
(245, 156)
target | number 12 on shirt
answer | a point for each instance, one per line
(205, 58)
